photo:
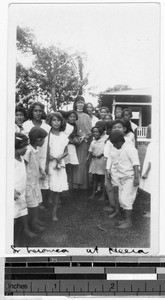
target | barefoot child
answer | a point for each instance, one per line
(97, 165)
(20, 205)
(37, 137)
(127, 174)
(109, 150)
(71, 159)
(55, 166)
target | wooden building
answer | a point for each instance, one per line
(140, 102)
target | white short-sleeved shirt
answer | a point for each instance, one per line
(127, 157)
(108, 149)
(28, 125)
(97, 147)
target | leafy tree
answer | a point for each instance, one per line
(25, 39)
(56, 74)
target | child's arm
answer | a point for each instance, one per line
(145, 175)
(42, 172)
(64, 154)
(89, 156)
(136, 175)
(135, 134)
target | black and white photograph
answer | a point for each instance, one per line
(83, 126)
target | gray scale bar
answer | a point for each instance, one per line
(130, 270)
(79, 270)
(29, 270)
(26, 259)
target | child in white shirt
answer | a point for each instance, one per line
(125, 168)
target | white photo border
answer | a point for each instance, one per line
(154, 239)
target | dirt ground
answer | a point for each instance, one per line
(84, 223)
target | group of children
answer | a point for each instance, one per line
(45, 156)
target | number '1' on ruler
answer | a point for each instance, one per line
(67, 276)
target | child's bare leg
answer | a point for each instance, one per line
(117, 206)
(17, 231)
(33, 215)
(101, 179)
(50, 198)
(128, 220)
(27, 230)
(39, 222)
(55, 206)
(94, 187)
(110, 192)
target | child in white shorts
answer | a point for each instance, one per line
(127, 170)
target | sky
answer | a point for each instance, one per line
(121, 41)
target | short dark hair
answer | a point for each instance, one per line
(108, 127)
(128, 109)
(101, 124)
(117, 121)
(32, 106)
(104, 107)
(100, 129)
(72, 112)
(116, 136)
(22, 110)
(64, 113)
(21, 140)
(60, 117)
(36, 133)
(117, 107)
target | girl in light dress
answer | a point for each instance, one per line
(20, 205)
(96, 158)
(71, 159)
(55, 164)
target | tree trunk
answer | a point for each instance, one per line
(53, 99)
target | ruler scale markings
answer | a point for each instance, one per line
(155, 287)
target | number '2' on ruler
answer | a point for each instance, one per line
(79, 275)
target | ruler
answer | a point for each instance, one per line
(84, 275)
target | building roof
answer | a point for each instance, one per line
(132, 92)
